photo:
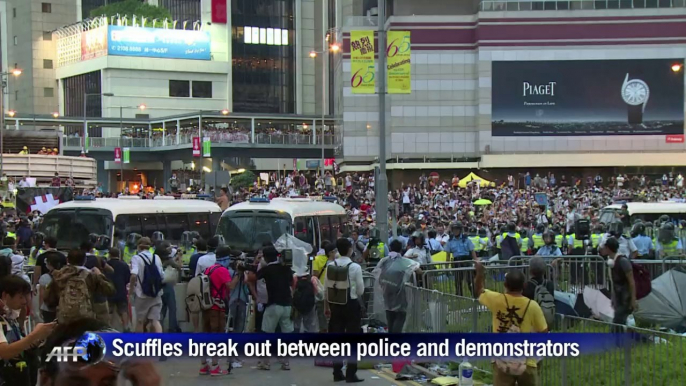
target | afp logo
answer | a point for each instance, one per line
(89, 349)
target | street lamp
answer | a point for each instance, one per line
(15, 72)
(84, 148)
(313, 54)
(55, 114)
(225, 112)
(11, 113)
(676, 67)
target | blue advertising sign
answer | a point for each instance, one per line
(158, 43)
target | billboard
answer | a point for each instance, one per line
(94, 43)
(587, 97)
(398, 52)
(362, 62)
(158, 43)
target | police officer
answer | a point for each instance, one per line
(643, 243)
(157, 238)
(476, 240)
(93, 240)
(597, 234)
(37, 247)
(460, 247)
(102, 247)
(131, 247)
(537, 238)
(526, 242)
(485, 243)
(549, 247)
(667, 243)
(188, 248)
(375, 249)
(559, 238)
(626, 245)
(575, 245)
(508, 248)
(500, 237)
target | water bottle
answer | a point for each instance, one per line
(466, 373)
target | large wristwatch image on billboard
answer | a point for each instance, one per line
(635, 93)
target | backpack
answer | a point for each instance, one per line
(509, 248)
(74, 299)
(151, 285)
(303, 296)
(513, 366)
(546, 300)
(338, 283)
(641, 280)
(199, 292)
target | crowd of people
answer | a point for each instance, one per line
(428, 218)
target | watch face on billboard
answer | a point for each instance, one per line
(588, 97)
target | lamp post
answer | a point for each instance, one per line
(3, 76)
(121, 137)
(313, 54)
(382, 183)
(84, 148)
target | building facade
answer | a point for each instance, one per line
(470, 66)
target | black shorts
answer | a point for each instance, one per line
(119, 307)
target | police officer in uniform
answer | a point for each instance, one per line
(643, 243)
(526, 242)
(485, 242)
(559, 238)
(131, 247)
(537, 238)
(375, 249)
(476, 240)
(102, 247)
(595, 238)
(507, 248)
(461, 248)
(37, 247)
(188, 248)
(157, 238)
(667, 243)
(549, 247)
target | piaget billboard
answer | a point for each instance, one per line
(588, 97)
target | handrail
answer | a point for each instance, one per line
(222, 138)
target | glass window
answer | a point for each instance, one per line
(303, 229)
(72, 227)
(47, 63)
(149, 222)
(336, 228)
(248, 232)
(176, 225)
(277, 36)
(202, 89)
(214, 222)
(270, 36)
(46, 7)
(199, 222)
(16, 41)
(284, 37)
(325, 229)
(179, 88)
(255, 35)
(263, 36)
(247, 35)
(48, 92)
(47, 35)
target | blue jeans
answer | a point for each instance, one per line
(169, 303)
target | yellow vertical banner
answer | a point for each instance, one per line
(399, 77)
(362, 71)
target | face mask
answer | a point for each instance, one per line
(610, 263)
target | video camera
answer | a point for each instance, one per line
(242, 263)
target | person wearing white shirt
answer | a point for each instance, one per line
(147, 308)
(23, 183)
(347, 318)
(209, 259)
(626, 246)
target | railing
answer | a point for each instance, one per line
(641, 357)
(496, 6)
(82, 170)
(185, 139)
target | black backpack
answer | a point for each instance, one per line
(152, 280)
(303, 296)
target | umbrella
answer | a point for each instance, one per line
(483, 201)
(599, 304)
(665, 305)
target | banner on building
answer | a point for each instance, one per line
(362, 71)
(219, 14)
(158, 43)
(41, 199)
(94, 43)
(587, 97)
(196, 146)
(398, 52)
(126, 154)
(117, 155)
(206, 147)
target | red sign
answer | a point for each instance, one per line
(117, 155)
(196, 146)
(674, 138)
(219, 11)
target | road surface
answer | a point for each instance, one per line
(184, 372)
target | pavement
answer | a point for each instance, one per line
(184, 372)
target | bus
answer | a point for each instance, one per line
(249, 225)
(645, 211)
(72, 222)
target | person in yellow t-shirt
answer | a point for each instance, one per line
(511, 308)
(319, 271)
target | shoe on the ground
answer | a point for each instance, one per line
(236, 364)
(353, 380)
(205, 370)
(262, 366)
(217, 371)
(285, 366)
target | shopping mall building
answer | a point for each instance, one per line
(528, 85)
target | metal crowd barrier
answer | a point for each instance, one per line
(648, 357)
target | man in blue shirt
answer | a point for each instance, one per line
(461, 248)
(643, 243)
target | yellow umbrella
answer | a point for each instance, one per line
(483, 201)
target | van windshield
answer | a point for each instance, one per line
(71, 227)
(249, 231)
(608, 216)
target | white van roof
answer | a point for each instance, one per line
(295, 207)
(118, 206)
(664, 207)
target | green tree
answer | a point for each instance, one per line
(243, 180)
(129, 8)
